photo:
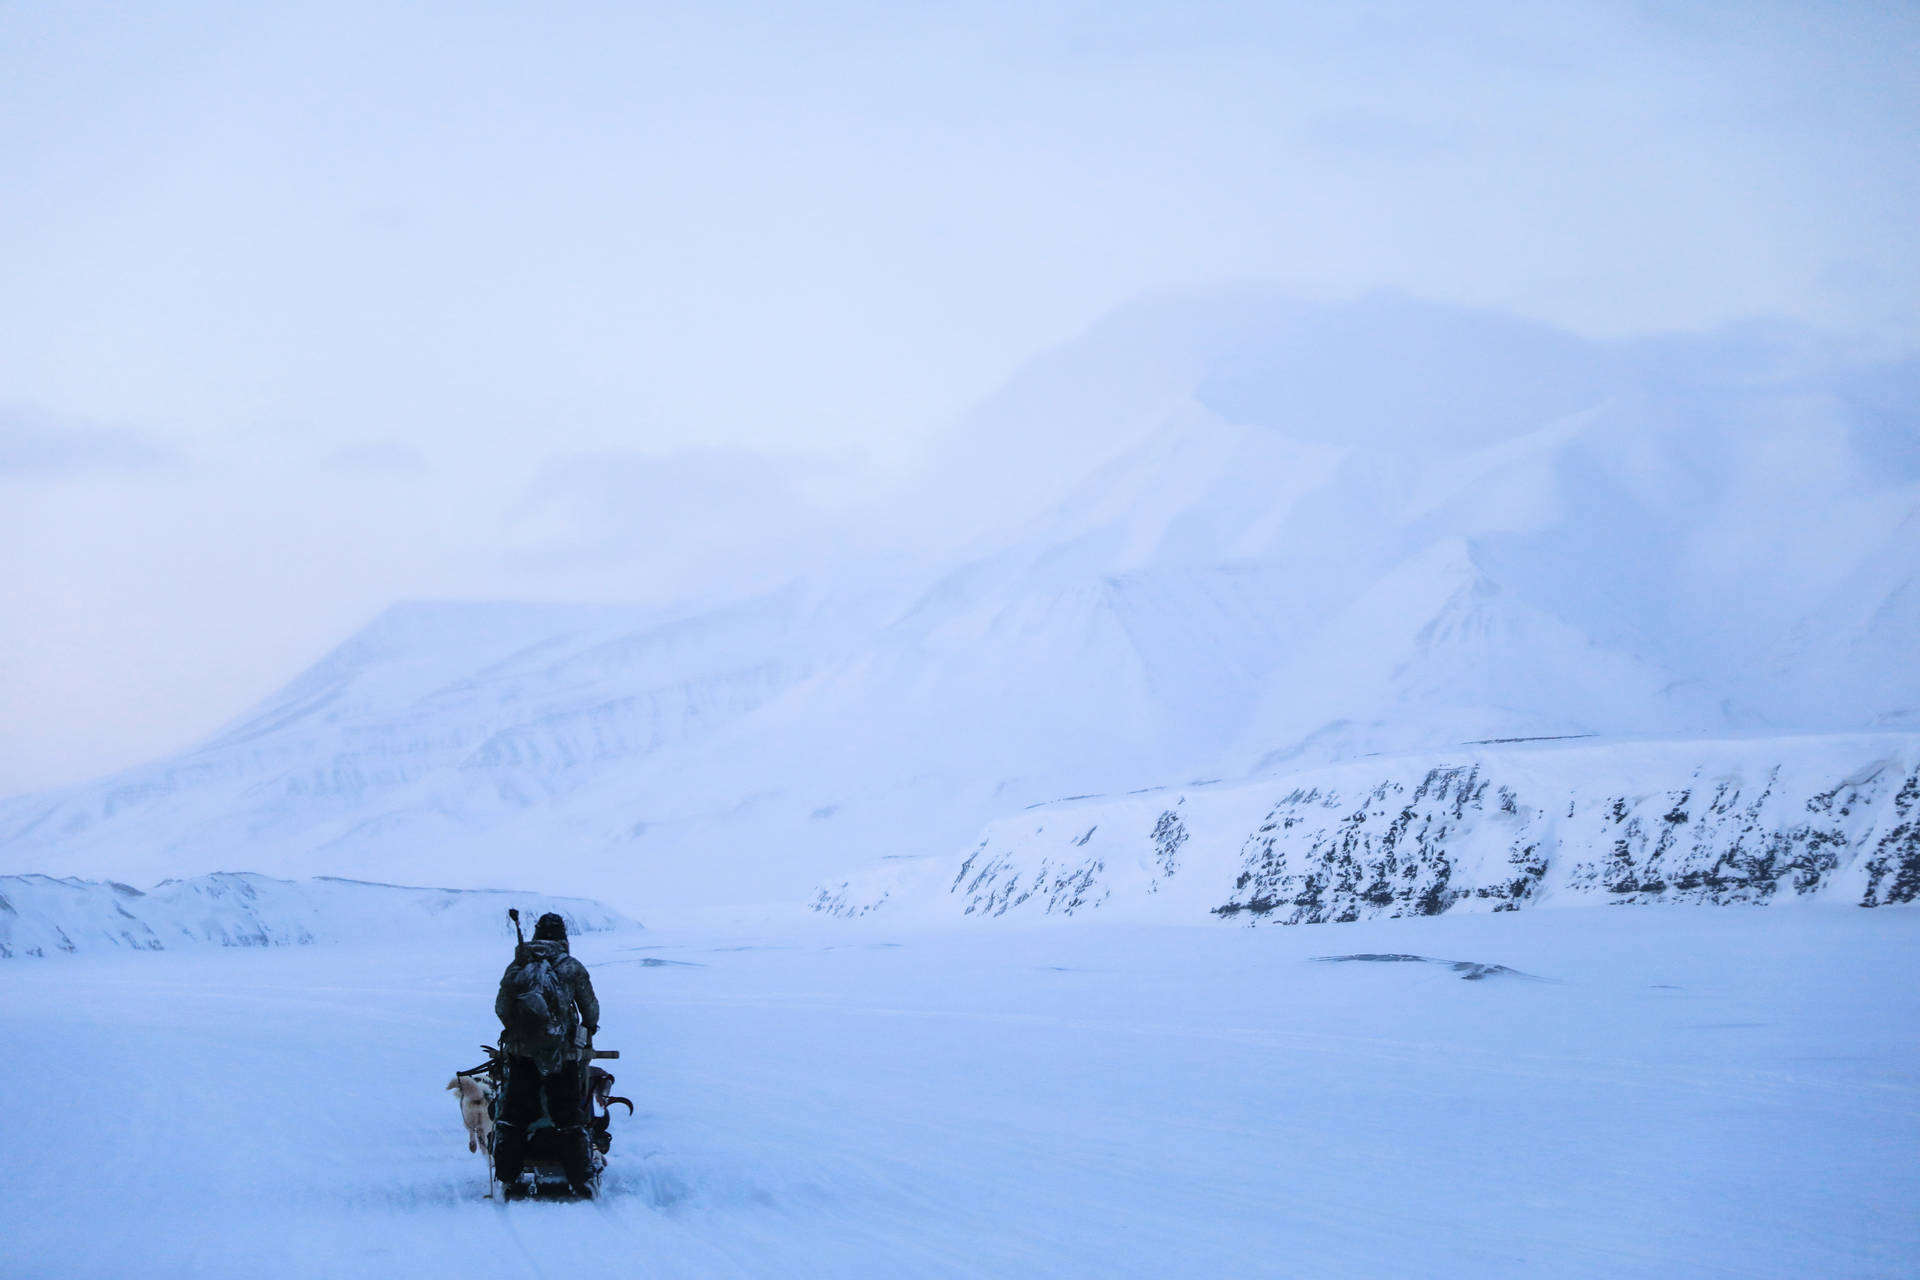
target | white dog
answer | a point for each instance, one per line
(474, 1096)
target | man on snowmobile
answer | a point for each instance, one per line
(546, 1001)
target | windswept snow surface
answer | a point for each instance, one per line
(1668, 1091)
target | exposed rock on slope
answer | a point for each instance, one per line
(1758, 821)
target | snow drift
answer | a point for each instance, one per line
(42, 916)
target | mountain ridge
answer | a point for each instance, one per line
(1218, 584)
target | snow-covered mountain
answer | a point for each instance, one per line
(1224, 534)
(42, 916)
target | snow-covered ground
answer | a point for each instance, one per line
(1656, 1091)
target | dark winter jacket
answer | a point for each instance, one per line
(572, 976)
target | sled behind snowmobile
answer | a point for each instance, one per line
(545, 1174)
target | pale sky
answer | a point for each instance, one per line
(312, 308)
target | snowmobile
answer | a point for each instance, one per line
(545, 1175)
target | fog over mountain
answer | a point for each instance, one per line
(1226, 533)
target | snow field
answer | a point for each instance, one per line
(1662, 1091)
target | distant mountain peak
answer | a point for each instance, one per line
(1225, 530)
